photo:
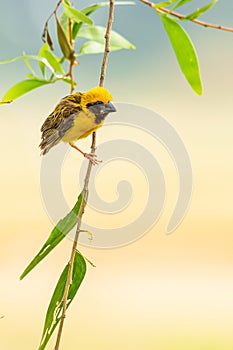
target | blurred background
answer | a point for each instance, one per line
(163, 292)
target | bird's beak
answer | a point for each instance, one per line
(109, 107)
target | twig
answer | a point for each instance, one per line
(86, 183)
(45, 31)
(180, 16)
(107, 43)
(55, 10)
(72, 61)
(5, 102)
(71, 261)
(46, 38)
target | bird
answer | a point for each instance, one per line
(75, 117)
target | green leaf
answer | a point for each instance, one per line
(41, 54)
(185, 52)
(164, 3)
(53, 61)
(64, 23)
(180, 3)
(10, 60)
(28, 65)
(97, 33)
(54, 312)
(67, 80)
(46, 37)
(49, 40)
(91, 47)
(23, 87)
(5, 102)
(59, 232)
(76, 15)
(31, 76)
(199, 11)
(31, 57)
(64, 43)
(75, 29)
(90, 9)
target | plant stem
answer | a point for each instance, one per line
(180, 16)
(50, 16)
(73, 59)
(107, 43)
(86, 181)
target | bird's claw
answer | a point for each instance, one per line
(92, 157)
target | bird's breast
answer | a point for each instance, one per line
(83, 125)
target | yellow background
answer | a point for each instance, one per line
(162, 292)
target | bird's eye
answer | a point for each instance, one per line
(89, 104)
(94, 103)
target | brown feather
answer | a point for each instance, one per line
(52, 129)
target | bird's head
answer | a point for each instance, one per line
(98, 101)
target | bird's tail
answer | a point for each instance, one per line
(50, 139)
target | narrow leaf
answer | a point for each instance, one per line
(91, 47)
(53, 61)
(67, 80)
(64, 23)
(23, 87)
(76, 15)
(75, 29)
(41, 54)
(49, 40)
(185, 52)
(10, 60)
(28, 65)
(164, 3)
(54, 312)
(31, 76)
(64, 43)
(62, 228)
(97, 33)
(31, 57)
(180, 3)
(46, 36)
(5, 102)
(199, 11)
(90, 9)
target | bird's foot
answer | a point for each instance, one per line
(92, 157)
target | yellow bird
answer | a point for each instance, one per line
(76, 116)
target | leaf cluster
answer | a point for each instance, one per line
(72, 25)
(180, 41)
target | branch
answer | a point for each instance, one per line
(180, 16)
(73, 59)
(86, 181)
(45, 31)
(107, 43)
(46, 38)
(4, 102)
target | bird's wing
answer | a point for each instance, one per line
(52, 136)
(58, 122)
